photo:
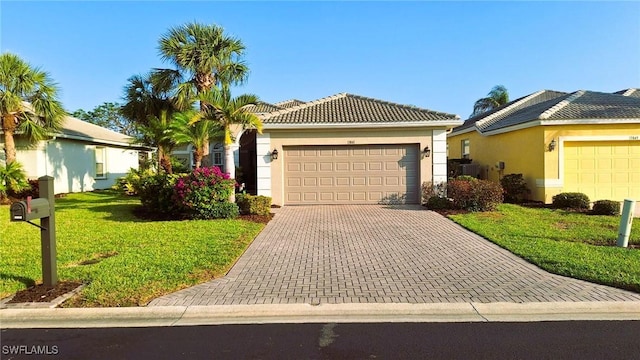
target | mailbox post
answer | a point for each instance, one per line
(42, 208)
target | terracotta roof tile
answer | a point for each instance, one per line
(346, 108)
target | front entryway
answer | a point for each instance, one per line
(351, 174)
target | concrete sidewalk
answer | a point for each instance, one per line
(324, 313)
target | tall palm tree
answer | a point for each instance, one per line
(497, 97)
(227, 112)
(28, 103)
(205, 57)
(151, 103)
(190, 128)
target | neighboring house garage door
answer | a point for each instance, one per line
(352, 174)
(603, 170)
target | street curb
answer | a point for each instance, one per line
(162, 316)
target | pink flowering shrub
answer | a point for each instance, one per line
(204, 194)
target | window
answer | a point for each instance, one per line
(465, 149)
(101, 169)
(217, 155)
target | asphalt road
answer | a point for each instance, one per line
(539, 340)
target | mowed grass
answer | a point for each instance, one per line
(123, 260)
(577, 245)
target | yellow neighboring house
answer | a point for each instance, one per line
(583, 141)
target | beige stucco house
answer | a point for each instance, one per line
(342, 149)
(80, 157)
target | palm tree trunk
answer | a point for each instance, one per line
(8, 128)
(197, 157)
(230, 168)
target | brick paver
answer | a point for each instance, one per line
(380, 254)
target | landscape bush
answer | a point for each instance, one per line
(156, 193)
(430, 190)
(130, 184)
(606, 207)
(472, 194)
(253, 205)
(515, 188)
(204, 194)
(571, 200)
(438, 203)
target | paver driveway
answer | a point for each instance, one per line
(380, 254)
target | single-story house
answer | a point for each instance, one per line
(80, 157)
(583, 141)
(342, 149)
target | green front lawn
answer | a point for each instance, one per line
(566, 243)
(125, 261)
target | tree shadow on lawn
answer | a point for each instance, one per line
(28, 282)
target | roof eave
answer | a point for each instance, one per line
(538, 122)
(100, 141)
(434, 123)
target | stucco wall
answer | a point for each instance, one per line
(521, 151)
(73, 163)
(527, 151)
(277, 139)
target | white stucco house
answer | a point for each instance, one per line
(80, 157)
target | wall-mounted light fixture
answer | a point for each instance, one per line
(274, 154)
(552, 145)
(426, 151)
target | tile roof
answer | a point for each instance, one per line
(77, 129)
(629, 92)
(82, 130)
(556, 106)
(289, 103)
(346, 108)
(263, 107)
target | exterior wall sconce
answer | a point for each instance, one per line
(552, 145)
(274, 154)
(426, 151)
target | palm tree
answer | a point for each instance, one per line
(205, 57)
(190, 128)
(158, 131)
(228, 111)
(497, 97)
(150, 104)
(28, 103)
(12, 177)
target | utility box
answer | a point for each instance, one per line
(30, 210)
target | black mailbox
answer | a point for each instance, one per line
(29, 210)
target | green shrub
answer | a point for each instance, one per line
(12, 178)
(438, 203)
(130, 183)
(570, 200)
(606, 207)
(200, 193)
(515, 188)
(430, 190)
(253, 205)
(474, 195)
(157, 194)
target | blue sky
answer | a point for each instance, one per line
(437, 55)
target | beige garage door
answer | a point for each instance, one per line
(352, 174)
(603, 170)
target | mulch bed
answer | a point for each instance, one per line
(41, 293)
(263, 219)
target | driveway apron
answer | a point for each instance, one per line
(380, 254)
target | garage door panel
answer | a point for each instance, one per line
(352, 174)
(603, 170)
